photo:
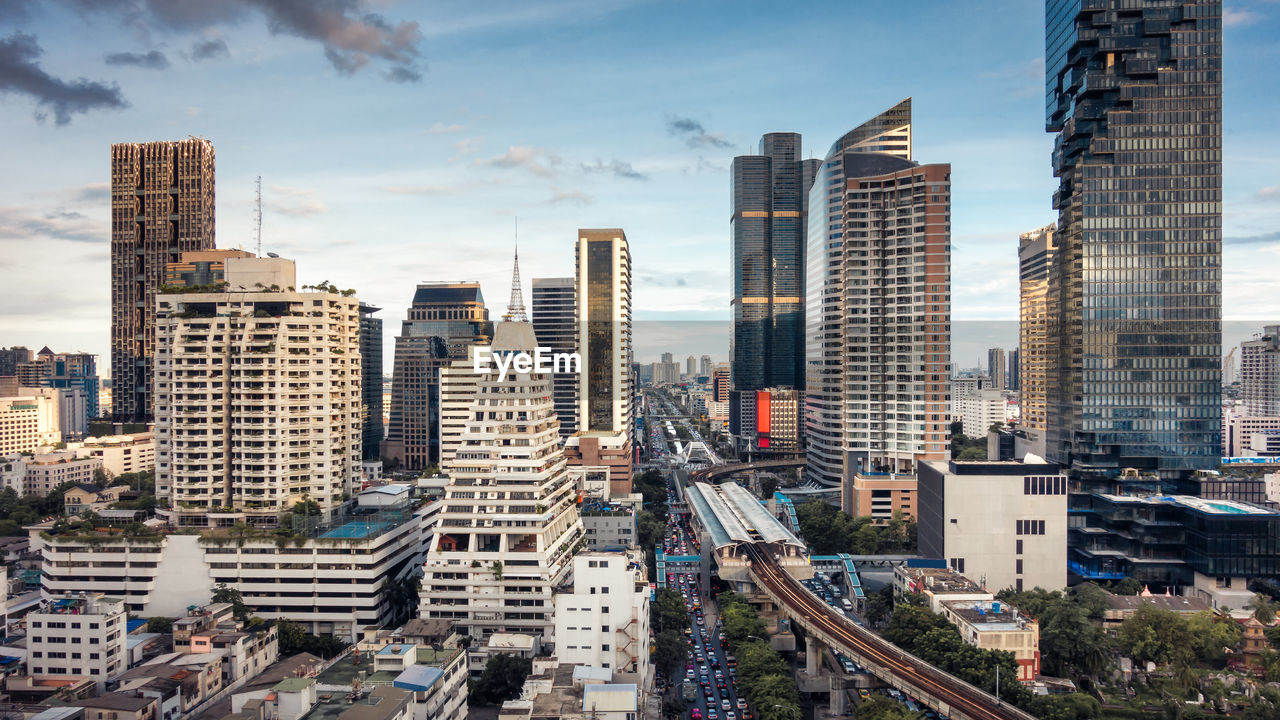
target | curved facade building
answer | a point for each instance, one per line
(888, 134)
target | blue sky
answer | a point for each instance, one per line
(559, 112)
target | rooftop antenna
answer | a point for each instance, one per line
(515, 306)
(257, 213)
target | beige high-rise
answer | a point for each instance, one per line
(258, 402)
(1036, 250)
(162, 205)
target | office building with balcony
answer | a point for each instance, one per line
(1133, 91)
(258, 402)
(162, 205)
(879, 298)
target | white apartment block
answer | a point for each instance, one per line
(77, 636)
(604, 621)
(122, 454)
(48, 471)
(1000, 524)
(1239, 431)
(334, 580)
(13, 472)
(509, 525)
(257, 395)
(979, 410)
(29, 420)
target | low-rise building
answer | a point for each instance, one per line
(1000, 524)
(84, 498)
(937, 583)
(78, 636)
(610, 450)
(603, 620)
(333, 577)
(610, 525)
(879, 495)
(122, 454)
(572, 692)
(1122, 607)
(48, 471)
(119, 706)
(993, 625)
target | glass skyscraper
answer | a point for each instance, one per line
(1134, 93)
(770, 197)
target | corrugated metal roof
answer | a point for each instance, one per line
(609, 698)
(755, 516)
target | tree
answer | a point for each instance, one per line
(879, 605)
(233, 597)
(670, 651)
(973, 452)
(668, 611)
(1126, 586)
(502, 679)
(1072, 706)
(1213, 637)
(1263, 607)
(293, 640)
(740, 622)
(160, 625)
(1156, 635)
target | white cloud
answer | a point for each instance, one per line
(1232, 17)
(441, 129)
(570, 197)
(534, 159)
(296, 202)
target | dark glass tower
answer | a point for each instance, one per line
(371, 380)
(770, 209)
(1134, 92)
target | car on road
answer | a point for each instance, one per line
(724, 704)
(862, 693)
(742, 703)
(696, 714)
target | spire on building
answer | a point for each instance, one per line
(515, 307)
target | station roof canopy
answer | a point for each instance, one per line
(733, 516)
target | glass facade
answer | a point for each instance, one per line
(371, 381)
(770, 197)
(887, 133)
(1164, 540)
(1134, 93)
(600, 375)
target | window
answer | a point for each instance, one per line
(604, 608)
(604, 628)
(1017, 566)
(1019, 549)
(604, 646)
(1018, 584)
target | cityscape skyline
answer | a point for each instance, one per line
(662, 164)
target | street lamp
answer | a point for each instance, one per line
(790, 709)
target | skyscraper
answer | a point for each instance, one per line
(770, 196)
(705, 366)
(162, 205)
(555, 322)
(75, 375)
(1015, 370)
(10, 357)
(371, 380)
(884, 138)
(690, 366)
(1134, 93)
(258, 399)
(1036, 251)
(445, 319)
(603, 264)
(997, 369)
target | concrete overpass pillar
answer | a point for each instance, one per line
(813, 656)
(839, 696)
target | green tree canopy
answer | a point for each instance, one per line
(502, 679)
